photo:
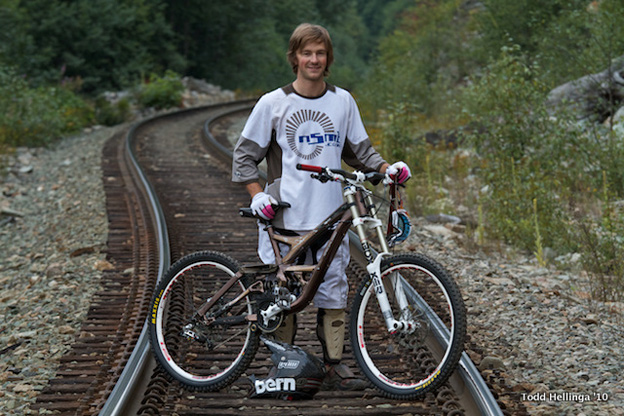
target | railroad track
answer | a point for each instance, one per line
(169, 193)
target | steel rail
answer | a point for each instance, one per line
(472, 378)
(479, 391)
(121, 395)
(118, 399)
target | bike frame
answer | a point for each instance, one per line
(358, 210)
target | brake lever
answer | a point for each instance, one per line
(321, 177)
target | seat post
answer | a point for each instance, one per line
(278, 256)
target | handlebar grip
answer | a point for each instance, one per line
(375, 177)
(248, 212)
(309, 168)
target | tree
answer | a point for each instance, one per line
(104, 43)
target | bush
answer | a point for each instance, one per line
(110, 114)
(161, 92)
(37, 116)
(439, 169)
(525, 156)
(602, 247)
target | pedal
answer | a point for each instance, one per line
(283, 298)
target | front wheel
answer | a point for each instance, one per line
(211, 351)
(407, 363)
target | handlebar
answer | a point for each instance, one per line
(326, 174)
(309, 168)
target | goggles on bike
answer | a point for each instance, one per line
(402, 227)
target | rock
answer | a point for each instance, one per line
(590, 319)
(22, 388)
(8, 211)
(103, 265)
(618, 117)
(66, 330)
(587, 96)
(26, 334)
(490, 363)
(81, 251)
(443, 219)
(439, 230)
(54, 270)
(37, 303)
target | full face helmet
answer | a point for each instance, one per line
(296, 375)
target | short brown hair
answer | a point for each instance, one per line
(305, 33)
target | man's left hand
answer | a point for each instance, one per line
(400, 170)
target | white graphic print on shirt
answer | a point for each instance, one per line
(310, 146)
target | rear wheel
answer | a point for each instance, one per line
(210, 352)
(408, 363)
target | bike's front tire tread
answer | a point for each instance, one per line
(459, 330)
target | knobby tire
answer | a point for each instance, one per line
(225, 351)
(406, 365)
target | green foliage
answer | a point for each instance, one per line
(402, 137)
(603, 247)
(398, 141)
(486, 71)
(107, 43)
(237, 45)
(103, 45)
(161, 92)
(523, 22)
(523, 154)
(242, 44)
(421, 59)
(570, 38)
(37, 116)
(110, 114)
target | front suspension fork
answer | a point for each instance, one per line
(393, 325)
(374, 265)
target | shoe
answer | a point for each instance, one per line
(340, 377)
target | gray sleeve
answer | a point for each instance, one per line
(362, 156)
(247, 155)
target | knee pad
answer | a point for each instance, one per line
(330, 329)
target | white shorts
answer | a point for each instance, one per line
(333, 291)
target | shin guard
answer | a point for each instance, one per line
(287, 330)
(330, 329)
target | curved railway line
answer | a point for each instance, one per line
(168, 190)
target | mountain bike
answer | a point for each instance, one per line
(407, 319)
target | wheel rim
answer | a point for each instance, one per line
(363, 344)
(161, 336)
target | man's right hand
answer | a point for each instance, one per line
(261, 205)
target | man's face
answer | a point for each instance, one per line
(312, 61)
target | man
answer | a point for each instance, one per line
(312, 122)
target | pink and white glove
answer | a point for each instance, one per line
(400, 170)
(261, 205)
